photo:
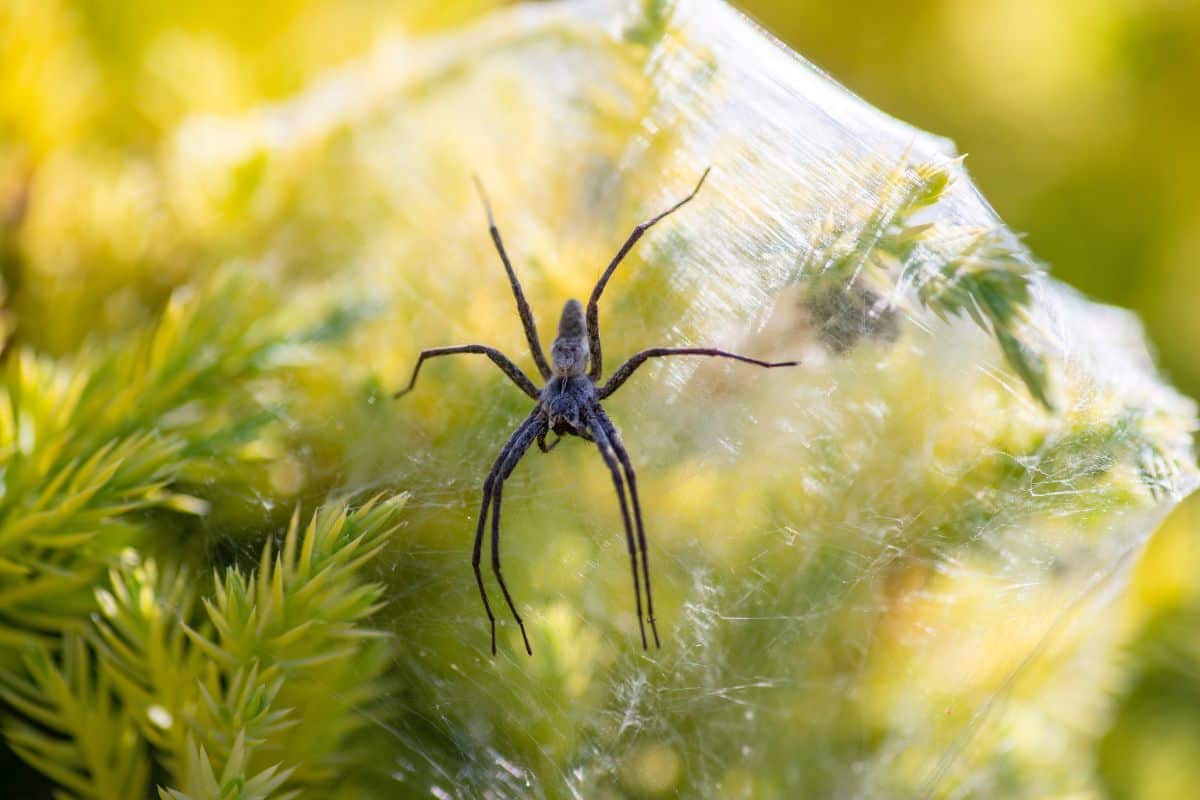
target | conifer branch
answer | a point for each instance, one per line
(87, 445)
(977, 273)
(271, 672)
(74, 729)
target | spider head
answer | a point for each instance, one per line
(570, 350)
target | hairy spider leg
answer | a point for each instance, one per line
(604, 443)
(546, 448)
(502, 361)
(488, 483)
(593, 308)
(531, 334)
(631, 478)
(629, 367)
(519, 445)
(541, 441)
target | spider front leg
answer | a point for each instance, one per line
(515, 450)
(631, 478)
(601, 437)
(476, 557)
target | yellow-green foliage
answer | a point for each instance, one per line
(263, 686)
(92, 444)
(105, 457)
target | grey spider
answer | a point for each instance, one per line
(569, 405)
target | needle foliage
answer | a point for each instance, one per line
(126, 662)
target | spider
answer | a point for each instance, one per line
(569, 405)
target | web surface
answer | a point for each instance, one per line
(887, 572)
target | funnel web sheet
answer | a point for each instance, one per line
(888, 572)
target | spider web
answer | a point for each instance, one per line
(886, 573)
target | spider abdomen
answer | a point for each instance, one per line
(569, 352)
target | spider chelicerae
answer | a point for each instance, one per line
(569, 405)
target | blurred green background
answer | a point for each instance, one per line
(1079, 118)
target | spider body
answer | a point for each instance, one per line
(569, 353)
(569, 392)
(569, 404)
(564, 402)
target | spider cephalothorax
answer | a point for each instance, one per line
(569, 405)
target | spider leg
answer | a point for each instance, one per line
(502, 361)
(516, 449)
(625, 370)
(593, 309)
(631, 478)
(546, 448)
(606, 451)
(488, 483)
(541, 442)
(531, 334)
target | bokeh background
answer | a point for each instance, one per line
(1079, 117)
